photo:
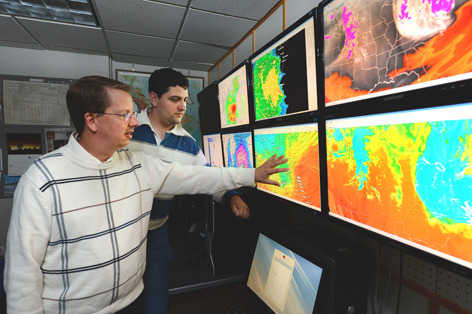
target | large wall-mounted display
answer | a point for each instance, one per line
(406, 175)
(375, 48)
(284, 73)
(299, 144)
(213, 149)
(237, 150)
(233, 98)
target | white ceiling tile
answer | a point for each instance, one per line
(195, 52)
(12, 31)
(139, 45)
(141, 17)
(215, 29)
(65, 35)
(248, 9)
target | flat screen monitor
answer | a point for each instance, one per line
(284, 73)
(376, 48)
(238, 150)
(406, 175)
(213, 150)
(208, 109)
(298, 143)
(285, 281)
(233, 98)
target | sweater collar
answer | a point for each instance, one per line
(74, 151)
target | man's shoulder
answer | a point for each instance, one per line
(143, 133)
(181, 142)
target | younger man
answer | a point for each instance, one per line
(161, 134)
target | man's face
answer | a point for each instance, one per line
(171, 106)
(114, 128)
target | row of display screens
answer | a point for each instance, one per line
(406, 175)
(368, 49)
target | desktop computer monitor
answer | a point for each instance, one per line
(213, 150)
(285, 281)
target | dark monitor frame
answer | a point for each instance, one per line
(208, 109)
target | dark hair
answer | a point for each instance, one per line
(90, 94)
(160, 81)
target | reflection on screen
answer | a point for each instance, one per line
(406, 175)
(284, 75)
(285, 281)
(212, 150)
(233, 99)
(237, 150)
(298, 143)
(383, 47)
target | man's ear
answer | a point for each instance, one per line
(153, 98)
(91, 122)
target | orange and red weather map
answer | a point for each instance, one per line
(299, 144)
(374, 46)
(411, 180)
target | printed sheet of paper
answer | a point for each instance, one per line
(33, 103)
(280, 274)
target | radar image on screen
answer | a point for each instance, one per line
(284, 75)
(237, 149)
(407, 174)
(233, 99)
(299, 144)
(383, 47)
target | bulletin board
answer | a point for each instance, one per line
(33, 121)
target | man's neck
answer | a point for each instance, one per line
(159, 127)
(95, 149)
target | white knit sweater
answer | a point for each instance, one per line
(77, 236)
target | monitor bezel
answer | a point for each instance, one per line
(214, 127)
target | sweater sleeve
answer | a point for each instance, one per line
(176, 179)
(224, 196)
(27, 241)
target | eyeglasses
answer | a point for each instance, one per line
(126, 116)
